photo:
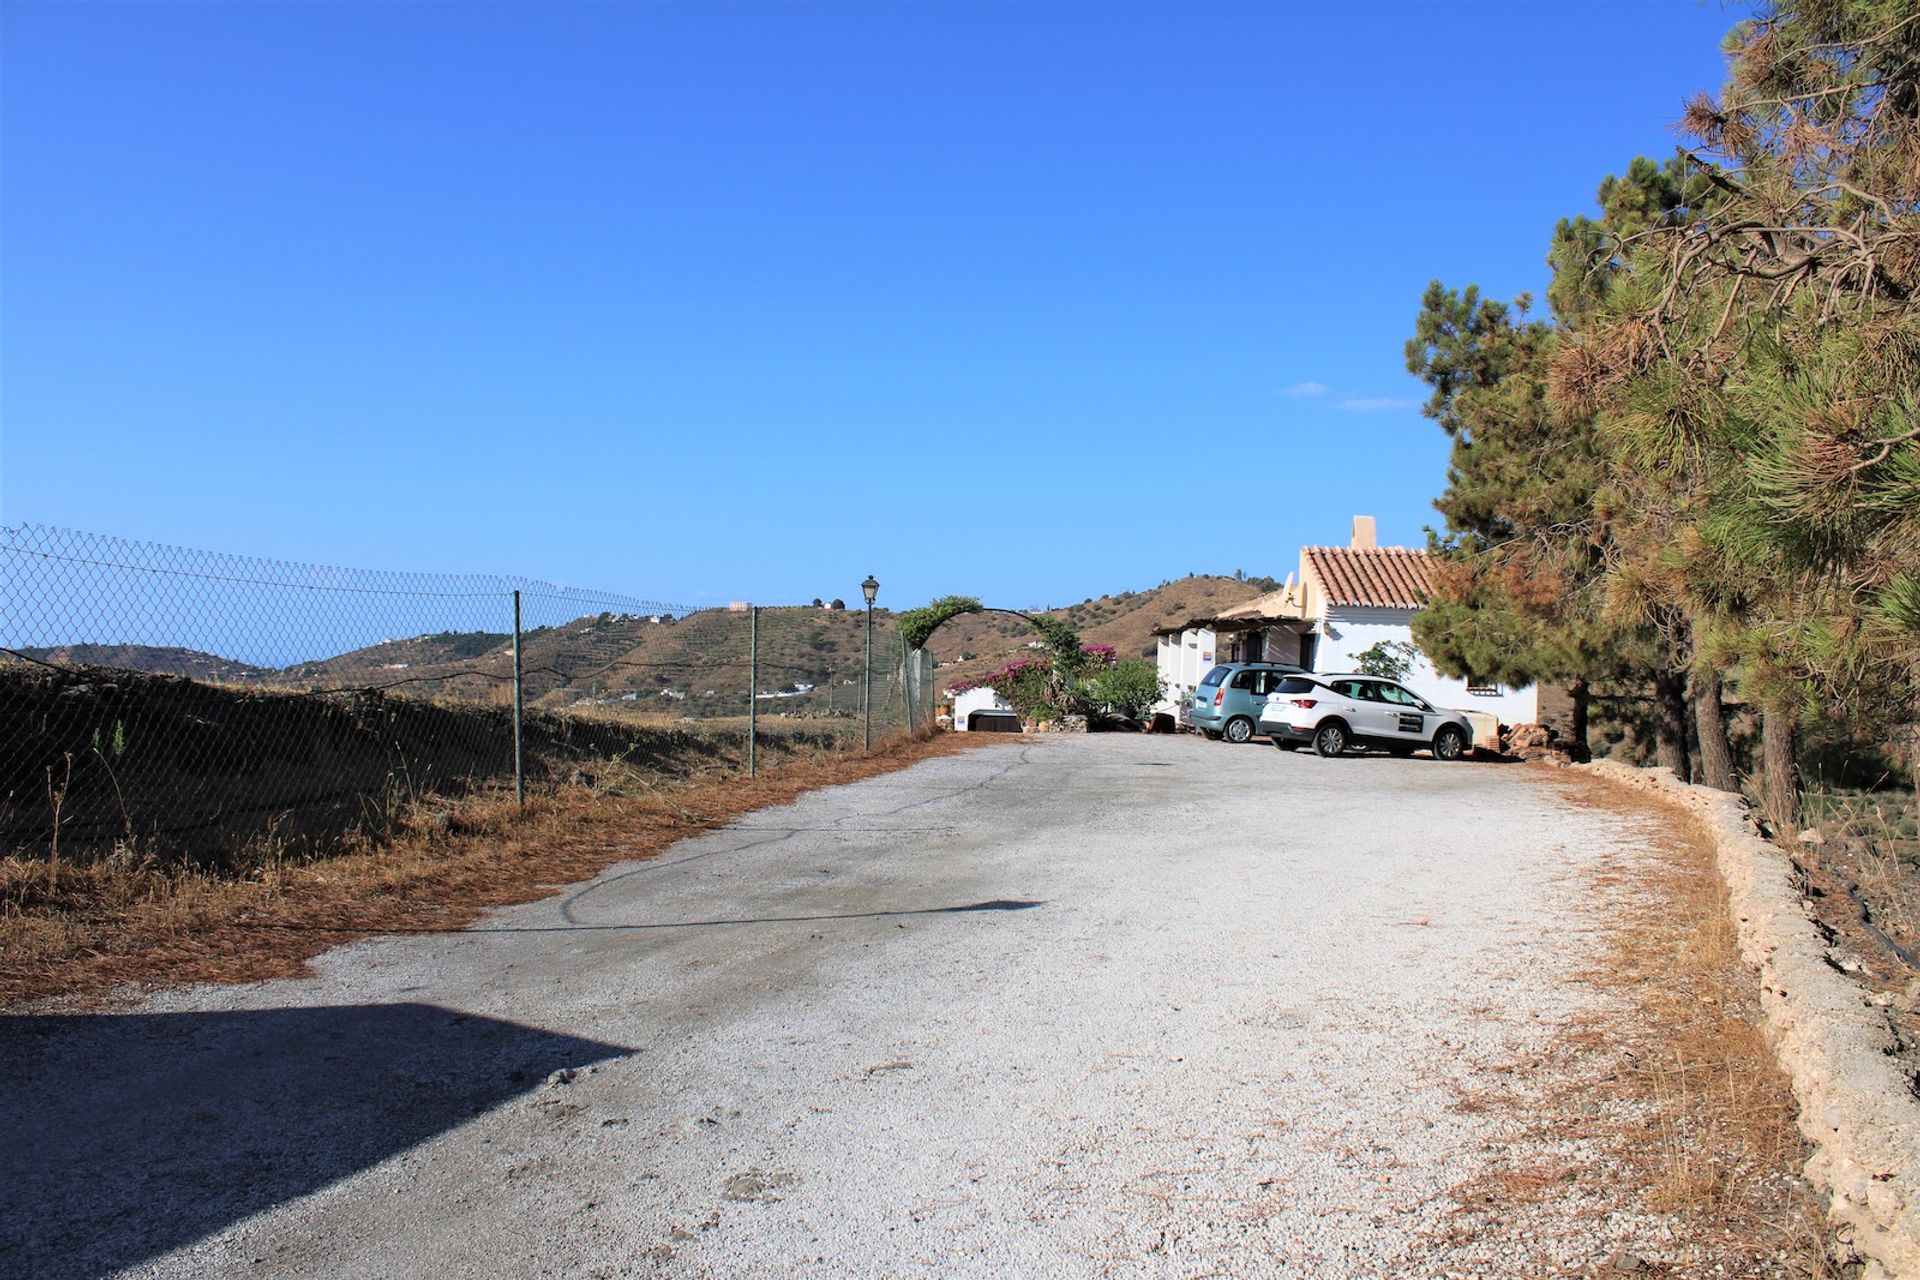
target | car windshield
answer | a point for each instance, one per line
(1215, 676)
(1293, 684)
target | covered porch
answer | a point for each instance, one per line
(1266, 639)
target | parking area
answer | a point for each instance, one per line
(1094, 1005)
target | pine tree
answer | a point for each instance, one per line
(1525, 557)
(1766, 351)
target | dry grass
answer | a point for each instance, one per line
(1724, 1135)
(1672, 1130)
(75, 931)
(1871, 840)
(1890, 884)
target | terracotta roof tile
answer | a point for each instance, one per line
(1373, 577)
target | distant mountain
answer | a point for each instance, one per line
(152, 659)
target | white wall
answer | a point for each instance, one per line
(979, 698)
(1182, 660)
(1346, 633)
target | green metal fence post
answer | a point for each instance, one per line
(519, 763)
(906, 682)
(753, 683)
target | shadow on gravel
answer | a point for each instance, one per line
(1354, 755)
(997, 904)
(128, 1135)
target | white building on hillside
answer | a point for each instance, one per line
(1344, 601)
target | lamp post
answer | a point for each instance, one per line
(870, 588)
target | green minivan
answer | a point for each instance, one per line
(1230, 697)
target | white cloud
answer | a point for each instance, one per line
(1306, 389)
(1375, 404)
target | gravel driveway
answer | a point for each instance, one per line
(1106, 1005)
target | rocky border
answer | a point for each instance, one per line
(1857, 1107)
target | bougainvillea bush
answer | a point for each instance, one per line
(1039, 690)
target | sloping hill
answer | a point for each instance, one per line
(423, 661)
(695, 665)
(152, 659)
(969, 647)
(699, 664)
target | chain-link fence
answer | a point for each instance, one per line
(190, 705)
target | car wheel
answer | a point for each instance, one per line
(1239, 729)
(1449, 743)
(1330, 739)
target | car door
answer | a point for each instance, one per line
(1408, 717)
(1365, 714)
(1246, 693)
(1264, 683)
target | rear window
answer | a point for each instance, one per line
(1214, 676)
(1293, 684)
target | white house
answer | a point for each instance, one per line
(986, 704)
(1344, 601)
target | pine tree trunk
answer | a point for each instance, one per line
(1577, 729)
(1670, 723)
(1710, 726)
(1780, 772)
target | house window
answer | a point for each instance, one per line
(1485, 688)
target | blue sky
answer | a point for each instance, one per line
(736, 302)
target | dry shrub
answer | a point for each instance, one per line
(77, 930)
(1890, 884)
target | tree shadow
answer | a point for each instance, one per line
(128, 1135)
(587, 926)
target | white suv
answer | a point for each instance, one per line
(1336, 713)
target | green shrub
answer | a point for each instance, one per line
(1392, 659)
(1127, 688)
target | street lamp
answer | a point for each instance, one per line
(870, 588)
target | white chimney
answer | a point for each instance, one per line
(1363, 538)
